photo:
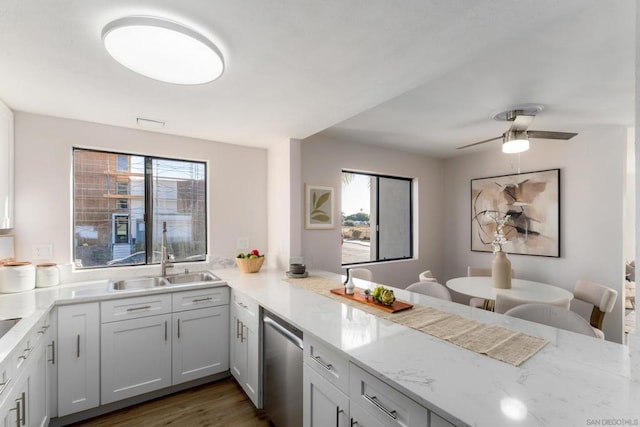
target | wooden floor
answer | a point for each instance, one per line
(222, 403)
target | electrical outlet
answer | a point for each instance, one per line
(42, 251)
(243, 243)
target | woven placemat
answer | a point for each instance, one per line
(496, 342)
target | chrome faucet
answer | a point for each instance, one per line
(165, 261)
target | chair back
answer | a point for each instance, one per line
(602, 298)
(432, 289)
(361, 273)
(506, 301)
(552, 316)
(426, 276)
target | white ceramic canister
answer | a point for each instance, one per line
(47, 275)
(17, 277)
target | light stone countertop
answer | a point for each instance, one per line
(573, 381)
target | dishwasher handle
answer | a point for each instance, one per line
(283, 331)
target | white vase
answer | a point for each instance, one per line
(349, 286)
(501, 271)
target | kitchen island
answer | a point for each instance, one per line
(573, 380)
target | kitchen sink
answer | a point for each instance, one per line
(137, 283)
(7, 324)
(197, 277)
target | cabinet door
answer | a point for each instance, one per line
(238, 351)
(200, 340)
(136, 357)
(10, 412)
(323, 404)
(37, 405)
(78, 358)
(51, 338)
(362, 418)
(6, 167)
(251, 383)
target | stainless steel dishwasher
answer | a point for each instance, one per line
(282, 368)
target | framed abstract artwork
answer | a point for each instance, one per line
(319, 207)
(531, 201)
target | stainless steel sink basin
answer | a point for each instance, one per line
(197, 277)
(137, 283)
(7, 324)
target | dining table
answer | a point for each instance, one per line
(482, 287)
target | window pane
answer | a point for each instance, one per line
(179, 199)
(394, 218)
(102, 218)
(358, 196)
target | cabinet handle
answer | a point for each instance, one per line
(202, 299)
(353, 422)
(4, 385)
(53, 353)
(78, 347)
(178, 328)
(144, 307)
(23, 411)
(374, 401)
(238, 328)
(165, 330)
(327, 366)
(338, 412)
(242, 337)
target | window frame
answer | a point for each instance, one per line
(377, 216)
(148, 202)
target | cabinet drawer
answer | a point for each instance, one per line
(390, 407)
(201, 298)
(132, 308)
(6, 378)
(247, 309)
(328, 363)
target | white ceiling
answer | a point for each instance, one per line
(419, 75)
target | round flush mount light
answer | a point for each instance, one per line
(163, 50)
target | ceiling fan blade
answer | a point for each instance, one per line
(545, 134)
(480, 142)
(521, 123)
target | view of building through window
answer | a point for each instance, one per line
(117, 195)
(376, 218)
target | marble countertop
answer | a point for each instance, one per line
(573, 380)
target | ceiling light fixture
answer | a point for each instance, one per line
(515, 142)
(163, 50)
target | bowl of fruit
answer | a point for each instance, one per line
(250, 262)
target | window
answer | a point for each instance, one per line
(377, 222)
(120, 202)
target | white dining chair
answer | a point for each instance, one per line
(484, 272)
(427, 276)
(551, 315)
(506, 301)
(432, 289)
(603, 299)
(361, 273)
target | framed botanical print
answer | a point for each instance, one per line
(319, 207)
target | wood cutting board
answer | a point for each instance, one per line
(358, 296)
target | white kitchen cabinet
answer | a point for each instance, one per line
(6, 167)
(386, 405)
(78, 357)
(323, 404)
(245, 345)
(200, 340)
(50, 339)
(135, 357)
(37, 404)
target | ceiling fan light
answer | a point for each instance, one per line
(515, 142)
(163, 50)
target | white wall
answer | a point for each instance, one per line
(284, 202)
(237, 188)
(592, 184)
(322, 162)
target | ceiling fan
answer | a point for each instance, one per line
(516, 138)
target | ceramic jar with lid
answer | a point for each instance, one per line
(17, 277)
(47, 275)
